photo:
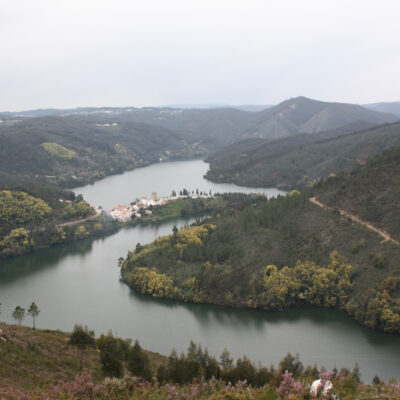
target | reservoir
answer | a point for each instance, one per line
(79, 283)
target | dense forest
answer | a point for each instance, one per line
(279, 253)
(299, 161)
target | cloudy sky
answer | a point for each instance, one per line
(71, 53)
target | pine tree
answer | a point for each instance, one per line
(19, 314)
(33, 311)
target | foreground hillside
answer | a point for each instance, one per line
(48, 365)
(286, 252)
(298, 161)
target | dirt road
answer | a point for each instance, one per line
(78, 221)
(385, 235)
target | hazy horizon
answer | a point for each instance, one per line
(69, 54)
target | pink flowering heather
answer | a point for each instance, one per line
(289, 385)
(82, 386)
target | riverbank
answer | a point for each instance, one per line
(103, 222)
(266, 255)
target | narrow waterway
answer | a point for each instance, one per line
(160, 178)
(79, 283)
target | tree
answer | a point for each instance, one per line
(82, 338)
(138, 363)
(19, 314)
(162, 374)
(226, 360)
(111, 356)
(33, 311)
(292, 364)
(81, 232)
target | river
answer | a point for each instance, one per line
(79, 283)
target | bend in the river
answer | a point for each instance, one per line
(79, 283)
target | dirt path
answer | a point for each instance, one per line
(385, 235)
(78, 221)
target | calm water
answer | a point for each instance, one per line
(159, 178)
(79, 283)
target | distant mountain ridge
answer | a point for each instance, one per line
(386, 107)
(100, 141)
(303, 115)
(227, 124)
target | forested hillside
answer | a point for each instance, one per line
(371, 192)
(284, 252)
(298, 161)
(70, 151)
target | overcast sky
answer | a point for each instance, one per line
(135, 53)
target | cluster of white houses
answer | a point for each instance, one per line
(142, 205)
(137, 208)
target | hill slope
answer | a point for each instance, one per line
(303, 115)
(70, 151)
(297, 161)
(371, 192)
(389, 107)
(224, 261)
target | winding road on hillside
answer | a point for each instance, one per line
(78, 221)
(386, 236)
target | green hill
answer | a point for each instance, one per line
(285, 252)
(372, 192)
(298, 161)
(70, 151)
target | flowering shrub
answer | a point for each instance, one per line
(82, 387)
(289, 388)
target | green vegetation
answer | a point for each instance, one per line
(223, 261)
(19, 314)
(116, 370)
(33, 311)
(29, 223)
(299, 161)
(186, 207)
(76, 150)
(19, 209)
(371, 192)
(59, 151)
(78, 209)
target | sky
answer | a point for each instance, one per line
(75, 53)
